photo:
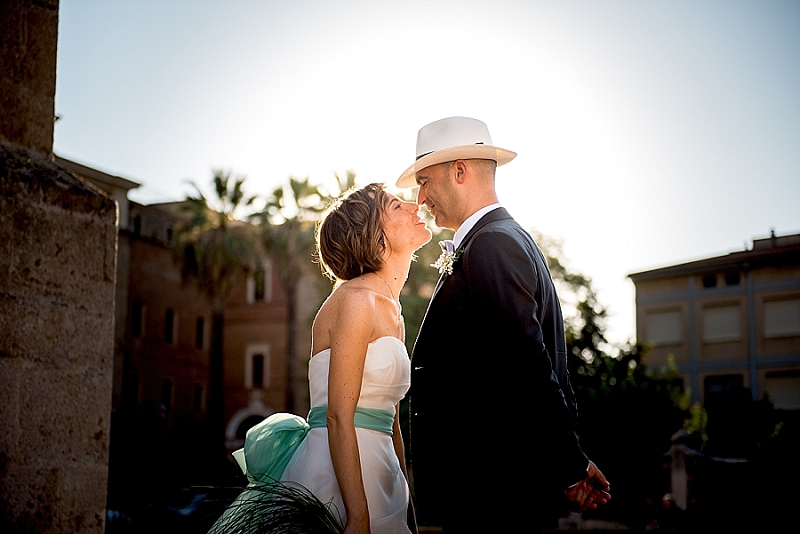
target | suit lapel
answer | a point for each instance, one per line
(439, 284)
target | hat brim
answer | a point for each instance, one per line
(500, 155)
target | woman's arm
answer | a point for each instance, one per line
(397, 440)
(400, 451)
(350, 335)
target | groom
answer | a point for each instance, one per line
(492, 428)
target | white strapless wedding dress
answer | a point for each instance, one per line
(387, 375)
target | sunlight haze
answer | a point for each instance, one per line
(648, 133)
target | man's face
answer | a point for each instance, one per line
(437, 193)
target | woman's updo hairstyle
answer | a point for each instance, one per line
(350, 238)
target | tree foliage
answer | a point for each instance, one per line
(626, 413)
(214, 248)
(629, 412)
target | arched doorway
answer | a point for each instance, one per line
(241, 422)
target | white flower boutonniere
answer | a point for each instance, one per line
(448, 258)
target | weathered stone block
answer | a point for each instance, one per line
(29, 37)
(57, 267)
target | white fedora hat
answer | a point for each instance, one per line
(451, 139)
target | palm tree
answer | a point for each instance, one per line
(288, 222)
(216, 251)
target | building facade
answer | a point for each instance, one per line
(163, 328)
(728, 322)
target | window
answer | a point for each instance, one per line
(782, 318)
(199, 333)
(197, 398)
(783, 389)
(130, 391)
(256, 373)
(137, 318)
(170, 326)
(720, 383)
(664, 328)
(166, 394)
(722, 323)
(710, 281)
(259, 288)
(732, 279)
(722, 387)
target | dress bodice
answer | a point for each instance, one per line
(387, 375)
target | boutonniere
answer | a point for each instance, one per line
(448, 258)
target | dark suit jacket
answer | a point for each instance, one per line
(492, 413)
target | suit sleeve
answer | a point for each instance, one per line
(511, 285)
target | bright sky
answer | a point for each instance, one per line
(649, 132)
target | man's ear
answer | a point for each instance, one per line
(461, 169)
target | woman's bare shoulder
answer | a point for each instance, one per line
(349, 305)
(352, 293)
(354, 304)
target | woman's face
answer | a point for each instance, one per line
(402, 226)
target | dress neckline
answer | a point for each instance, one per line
(328, 350)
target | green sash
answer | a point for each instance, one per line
(380, 420)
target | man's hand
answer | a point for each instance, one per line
(591, 491)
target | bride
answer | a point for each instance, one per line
(352, 454)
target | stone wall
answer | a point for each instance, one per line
(28, 43)
(58, 239)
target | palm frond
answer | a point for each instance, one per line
(221, 184)
(278, 508)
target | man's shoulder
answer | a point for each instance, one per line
(504, 242)
(502, 226)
